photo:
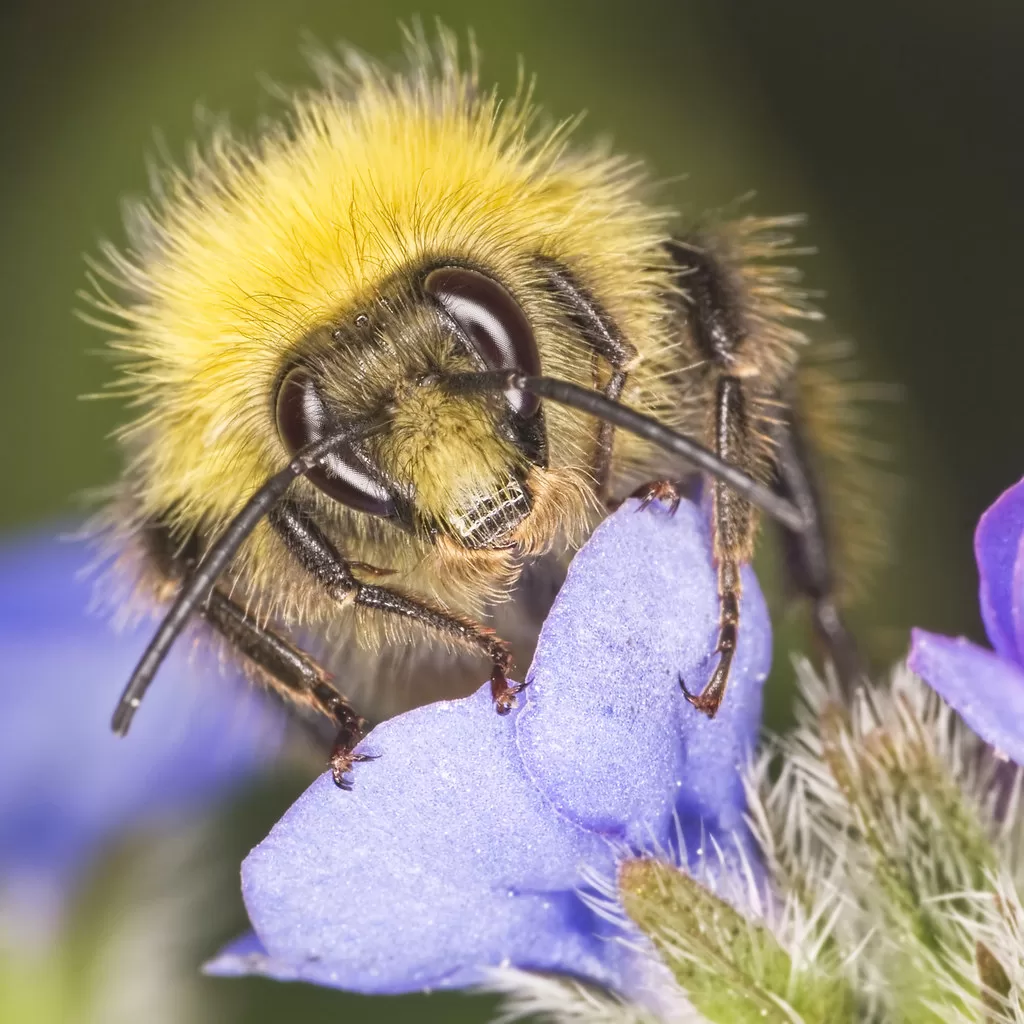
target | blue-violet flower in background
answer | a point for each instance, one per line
(473, 841)
(68, 786)
(987, 688)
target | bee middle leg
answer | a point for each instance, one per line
(323, 561)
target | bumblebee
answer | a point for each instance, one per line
(394, 360)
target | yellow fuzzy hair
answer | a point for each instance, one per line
(240, 257)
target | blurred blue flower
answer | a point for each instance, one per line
(67, 784)
(987, 688)
(474, 841)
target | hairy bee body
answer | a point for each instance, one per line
(313, 244)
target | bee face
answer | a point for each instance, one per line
(441, 463)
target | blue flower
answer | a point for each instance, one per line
(472, 841)
(67, 784)
(987, 688)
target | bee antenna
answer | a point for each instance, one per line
(594, 402)
(196, 588)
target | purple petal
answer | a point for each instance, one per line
(636, 613)
(443, 860)
(246, 956)
(67, 784)
(999, 550)
(447, 858)
(986, 690)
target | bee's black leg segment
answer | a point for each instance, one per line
(606, 438)
(291, 673)
(298, 676)
(604, 337)
(807, 555)
(323, 561)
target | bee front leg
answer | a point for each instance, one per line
(281, 666)
(311, 547)
(293, 674)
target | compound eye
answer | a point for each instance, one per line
(302, 419)
(493, 323)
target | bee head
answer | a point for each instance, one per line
(443, 463)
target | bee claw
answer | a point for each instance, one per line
(504, 694)
(658, 490)
(341, 765)
(708, 700)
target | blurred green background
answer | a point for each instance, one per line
(895, 125)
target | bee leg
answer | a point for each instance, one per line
(600, 331)
(282, 667)
(291, 673)
(385, 599)
(807, 555)
(734, 526)
(710, 698)
(321, 559)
